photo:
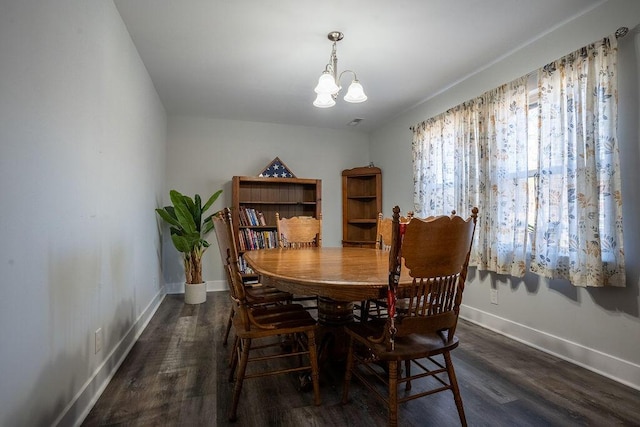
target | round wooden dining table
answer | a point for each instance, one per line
(337, 275)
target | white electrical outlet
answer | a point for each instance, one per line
(494, 296)
(98, 340)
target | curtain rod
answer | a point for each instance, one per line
(620, 33)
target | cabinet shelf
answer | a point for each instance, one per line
(363, 221)
(361, 203)
(262, 202)
(363, 197)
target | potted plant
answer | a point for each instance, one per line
(188, 229)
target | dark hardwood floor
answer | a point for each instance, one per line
(176, 375)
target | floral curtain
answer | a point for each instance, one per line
(578, 228)
(475, 155)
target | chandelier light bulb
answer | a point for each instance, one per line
(327, 84)
(324, 100)
(355, 94)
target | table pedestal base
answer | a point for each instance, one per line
(334, 313)
(333, 341)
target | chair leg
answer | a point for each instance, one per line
(454, 388)
(229, 323)
(347, 373)
(245, 345)
(393, 393)
(407, 369)
(364, 310)
(233, 363)
(315, 374)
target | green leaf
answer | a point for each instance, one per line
(182, 211)
(188, 201)
(207, 225)
(171, 211)
(165, 215)
(211, 200)
(187, 242)
(194, 240)
(181, 243)
(176, 197)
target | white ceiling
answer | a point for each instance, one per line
(259, 60)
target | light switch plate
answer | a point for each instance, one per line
(494, 296)
(98, 340)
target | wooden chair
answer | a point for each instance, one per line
(436, 253)
(256, 294)
(384, 228)
(300, 232)
(262, 323)
(383, 242)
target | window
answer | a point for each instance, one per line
(539, 158)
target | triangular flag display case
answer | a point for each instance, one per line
(277, 169)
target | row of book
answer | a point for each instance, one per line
(244, 267)
(251, 217)
(254, 239)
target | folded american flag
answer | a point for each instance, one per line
(277, 169)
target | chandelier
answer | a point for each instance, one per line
(329, 82)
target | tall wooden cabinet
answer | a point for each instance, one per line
(256, 201)
(361, 203)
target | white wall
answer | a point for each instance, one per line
(82, 156)
(598, 328)
(205, 153)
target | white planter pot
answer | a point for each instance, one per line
(195, 293)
